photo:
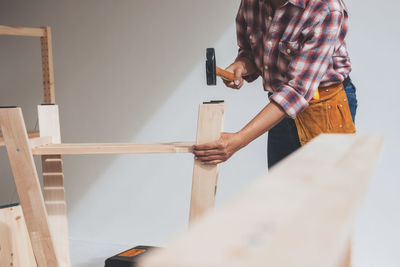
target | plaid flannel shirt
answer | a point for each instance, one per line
(296, 49)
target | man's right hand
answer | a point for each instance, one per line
(237, 68)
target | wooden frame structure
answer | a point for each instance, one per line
(46, 213)
(46, 51)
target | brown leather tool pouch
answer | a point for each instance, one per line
(329, 114)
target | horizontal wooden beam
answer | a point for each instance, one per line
(111, 148)
(40, 141)
(300, 215)
(21, 31)
(31, 135)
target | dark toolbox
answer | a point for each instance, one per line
(129, 257)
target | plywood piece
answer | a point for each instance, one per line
(21, 31)
(112, 148)
(47, 66)
(53, 184)
(28, 187)
(15, 245)
(205, 177)
(300, 215)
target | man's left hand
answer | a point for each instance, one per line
(215, 152)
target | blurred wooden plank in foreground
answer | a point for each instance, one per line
(300, 215)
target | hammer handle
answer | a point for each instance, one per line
(229, 76)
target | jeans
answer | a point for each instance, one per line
(283, 138)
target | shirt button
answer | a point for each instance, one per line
(269, 43)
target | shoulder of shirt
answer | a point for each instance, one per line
(327, 5)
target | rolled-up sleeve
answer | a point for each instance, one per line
(309, 65)
(243, 42)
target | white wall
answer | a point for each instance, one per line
(373, 41)
(133, 71)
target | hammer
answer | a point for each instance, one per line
(213, 71)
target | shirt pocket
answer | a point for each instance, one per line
(289, 49)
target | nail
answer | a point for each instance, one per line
(237, 82)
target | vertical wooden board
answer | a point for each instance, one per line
(28, 187)
(300, 215)
(53, 184)
(15, 245)
(47, 66)
(205, 178)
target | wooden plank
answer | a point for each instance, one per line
(21, 31)
(31, 135)
(112, 148)
(47, 66)
(15, 245)
(205, 177)
(54, 197)
(300, 215)
(28, 187)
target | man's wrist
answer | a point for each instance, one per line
(242, 139)
(246, 64)
(241, 62)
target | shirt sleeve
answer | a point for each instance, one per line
(243, 42)
(309, 65)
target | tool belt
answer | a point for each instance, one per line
(329, 114)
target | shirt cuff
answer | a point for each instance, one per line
(247, 54)
(290, 100)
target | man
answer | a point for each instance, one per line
(298, 48)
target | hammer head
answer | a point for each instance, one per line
(211, 67)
